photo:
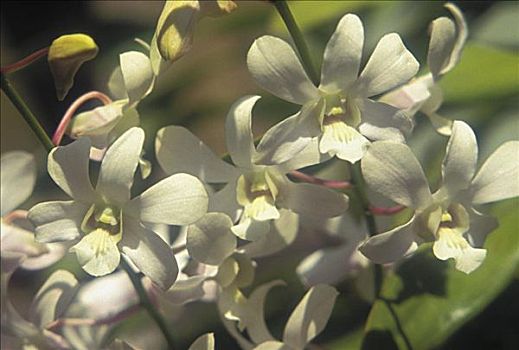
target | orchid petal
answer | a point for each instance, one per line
(382, 122)
(137, 74)
(341, 140)
(204, 342)
(453, 245)
(18, 176)
(313, 200)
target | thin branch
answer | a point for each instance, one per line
(24, 62)
(386, 211)
(333, 184)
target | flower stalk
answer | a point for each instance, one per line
(297, 36)
(26, 113)
(24, 62)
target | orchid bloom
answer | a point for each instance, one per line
(446, 217)
(105, 220)
(18, 247)
(424, 94)
(255, 188)
(338, 112)
(308, 319)
(48, 305)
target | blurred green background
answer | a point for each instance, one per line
(197, 91)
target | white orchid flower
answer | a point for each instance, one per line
(424, 94)
(338, 111)
(446, 217)
(49, 304)
(256, 188)
(105, 220)
(308, 319)
(18, 247)
(129, 83)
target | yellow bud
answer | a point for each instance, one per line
(66, 54)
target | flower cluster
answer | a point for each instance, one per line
(227, 212)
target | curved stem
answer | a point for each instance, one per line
(147, 304)
(67, 117)
(299, 41)
(333, 184)
(386, 211)
(24, 62)
(18, 214)
(26, 113)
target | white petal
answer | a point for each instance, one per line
(443, 36)
(18, 176)
(282, 233)
(118, 167)
(310, 316)
(287, 139)
(179, 199)
(251, 230)
(255, 318)
(204, 342)
(116, 85)
(328, 266)
(68, 167)
(480, 226)
(452, 245)
(392, 170)
(390, 246)
(313, 200)
(382, 122)
(97, 253)
(238, 131)
(342, 55)
(137, 74)
(498, 177)
(224, 201)
(310, 155)
(390, 65)
(179, 151)
(461, 156)
(442, 125)
(57, 221)
(152, 256)
(411, 96)
(51, 299)
(273, 345)
(210, 239)
(186, 290)
(276, 68)
(341, 140)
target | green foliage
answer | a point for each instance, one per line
(426, 300)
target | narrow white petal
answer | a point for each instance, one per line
(382, 122)
(179, 151)
(186, 290)
(442, 125)
(238, 131)
(273, 345)
(276, 68)
(282, 233)
(390, 65)
(392, 170)
(97, 253)
(411, 96)
(251, 230)
(57, 221)
(287, 139)
(51, 299)
(137, 74)
(313, 200)
(443, 36)
(342, 55)
(68, 167)
(152, 256)
(210, 240)
(310, 155)
(119, 165)
(461, 156)
(498, 177)
(204, 342)
(390, 246)
(179, 199)
(341, 140)
(451, 244)
(18, 176)
(310, 316)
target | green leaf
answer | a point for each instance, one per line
(483, 73)
(427, 300)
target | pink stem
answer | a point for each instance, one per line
(25, 61)
(15, 215)
(334, 184)
(67, 117)
(386, 211)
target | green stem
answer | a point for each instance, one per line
(297, 36)
(147, 304)
(359, 187)
(26, 113)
